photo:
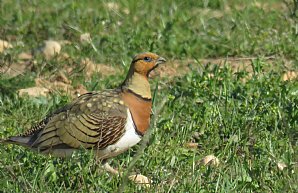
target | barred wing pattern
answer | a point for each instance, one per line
(94, 120)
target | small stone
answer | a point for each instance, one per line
(90, 68)
(85, 38)
(4, 45)
(51, 48)
(25, 56)
(290, 75)
(210, 160)
(281, 166)
(34, 91)
(140, 179)
(15, 69)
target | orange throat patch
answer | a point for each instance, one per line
(140, 110)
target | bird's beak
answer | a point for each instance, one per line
(160, 60)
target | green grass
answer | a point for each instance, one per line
(247, 119)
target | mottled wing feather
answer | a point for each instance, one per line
(34, 131)
(94, 120)
(110, 133)
(38, 127)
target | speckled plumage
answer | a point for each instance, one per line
(108, 122)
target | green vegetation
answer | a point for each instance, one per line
(247, 118)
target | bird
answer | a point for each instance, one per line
(107, 122)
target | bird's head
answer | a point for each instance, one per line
(144, 63)
(137, 77)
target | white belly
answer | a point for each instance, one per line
(129, 139)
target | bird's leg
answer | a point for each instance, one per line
(106, 166)
(109, 168)
(136, 178)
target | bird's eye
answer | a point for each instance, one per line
(147, 59)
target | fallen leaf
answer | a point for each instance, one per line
(140, 179)
(210, 160)
(191, 145)
(4, 45)
(34, 91)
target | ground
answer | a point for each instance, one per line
(229, 91)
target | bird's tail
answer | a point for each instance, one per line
(19, 140)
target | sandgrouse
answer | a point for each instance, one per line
(108, 122)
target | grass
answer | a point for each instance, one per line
(246, 118)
